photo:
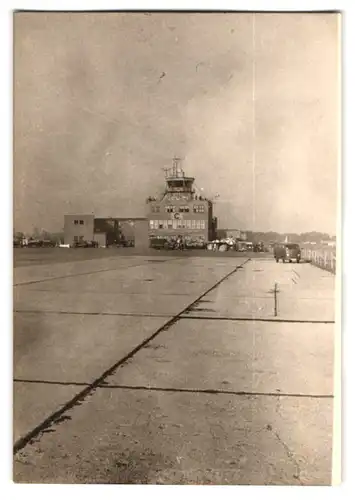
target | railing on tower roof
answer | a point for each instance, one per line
(176, 172)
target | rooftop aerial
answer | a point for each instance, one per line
(176, 172)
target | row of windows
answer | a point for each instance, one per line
(171, 208)
(186, 237)
(76, 222)
(174, 224)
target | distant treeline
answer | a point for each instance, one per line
(271, 236)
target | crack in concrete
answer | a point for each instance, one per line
(289, 454)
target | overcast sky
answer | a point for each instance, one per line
(250, 102)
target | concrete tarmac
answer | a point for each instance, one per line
(173, 370)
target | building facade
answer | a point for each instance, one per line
(180, 211)
(78, 227)
(106, 231)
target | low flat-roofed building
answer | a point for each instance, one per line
(106, 231)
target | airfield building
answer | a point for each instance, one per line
(180, 211)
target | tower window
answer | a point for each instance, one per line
(184, 209)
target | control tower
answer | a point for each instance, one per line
(179, 211)
(176, 180)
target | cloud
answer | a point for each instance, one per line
(95, 123)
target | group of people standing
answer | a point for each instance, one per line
(180, 243)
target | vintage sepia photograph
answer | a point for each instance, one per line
(176, 293)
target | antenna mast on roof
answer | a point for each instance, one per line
(176, 166)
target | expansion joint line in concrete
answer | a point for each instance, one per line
(105, 385)
(256, 320)
(181, 317)
(85, 273)
(78, 313)
(57, 416)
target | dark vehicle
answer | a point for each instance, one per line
(80, 244)
(258, 247)
(158, 243)
(40, 244)
(199, 245)
(47, 243)
(85, 244)
(163, 244)
(92, 244)
(17, 243)
(34, 244)
(245, 246)
(121, 244)
(287, 251)
(124, 243)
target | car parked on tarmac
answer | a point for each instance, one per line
(162, 244)
(32, 243)
(259, 247)
(287, 252)
(47, 243)
(17, 243)
(245, 246)
(85, 244)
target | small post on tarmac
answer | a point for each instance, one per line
(276, 291)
